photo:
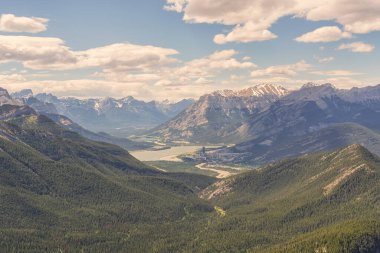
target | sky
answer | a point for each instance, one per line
(174, 49)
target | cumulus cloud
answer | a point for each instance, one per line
(36, 52)
(246, 33)
(11, 78)
(203, 70)
(282, 70)
(148, 70)
(12, 23)
(324, 34)
(252, 19)
(41, 53)
(357, 47)
(125, 57)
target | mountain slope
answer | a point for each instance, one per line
(268, 149)
(214, 116)
(60, 191)
(309, 204)
(306, 110)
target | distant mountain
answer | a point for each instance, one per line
(325, 202)
(306, 110)
(6, 99)
(116, 116)
(33, 106)
(215, 116)
(23, 94)
(314, 118)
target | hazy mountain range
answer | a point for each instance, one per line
(23, 103)
(121, 117)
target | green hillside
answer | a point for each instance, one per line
(61, 192)
(323, 201)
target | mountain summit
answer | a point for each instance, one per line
(214, 116)
(255, 91)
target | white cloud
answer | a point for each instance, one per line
(252, 19)
(43, 53)
(36, 52)
(357, 47)
(324, 34)
(246, 33)
(87, 88)
(11, 78)
(282, 70)
(120, 69)
(356, 16)
(11, 23)
(175, 5)
(208, 66)
(125, 57)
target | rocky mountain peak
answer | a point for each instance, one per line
(26, 93)
(6, 99)
(255, 91)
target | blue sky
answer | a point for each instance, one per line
(186, 60)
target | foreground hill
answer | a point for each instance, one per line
(60, 191)
(327, 202)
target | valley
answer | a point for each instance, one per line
(304, 179)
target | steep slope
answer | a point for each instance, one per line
(63, 192)
(309, 204)
(215, 116)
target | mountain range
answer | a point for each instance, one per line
(234, 117)
(215, 116)
(121, 117)
(25, 104)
